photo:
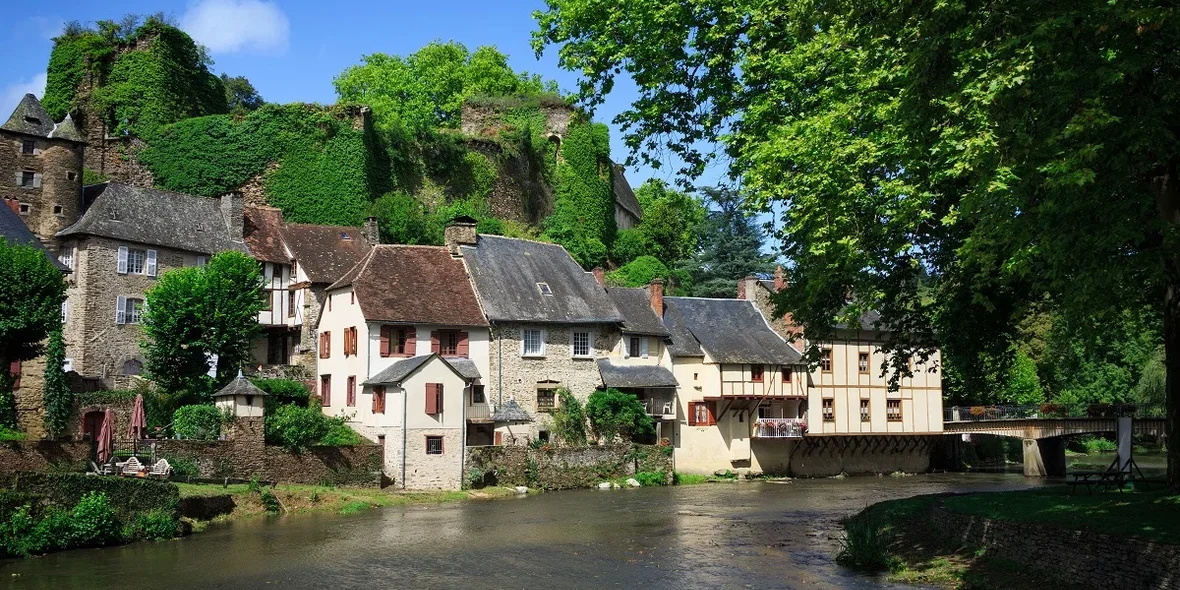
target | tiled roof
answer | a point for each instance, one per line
(730, 330)
(508, 274)
(635, 307)
(635, 375)
(14, 231)
(325, 252)
(155, 217)
(239, 386)
(397, 372)
(624, 196)
(263, 233)
(30, 118)
(413, 284)
(511, 412)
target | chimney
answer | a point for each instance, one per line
(599, 275)
(370, 231)
(234, 214)
(656, 291)
(746, 288)
(780, 279)
(13, 204)
(460, 232)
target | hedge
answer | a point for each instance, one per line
(128, 496)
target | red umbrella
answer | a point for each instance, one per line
(106, 435)
(138, 422)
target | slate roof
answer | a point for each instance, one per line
(14, 231)
(325, 252)
(239, 386)
(465, 367)
(634, 375)
(506, 273)
(413, 284)
(400, 370)
(638, 316)
(624, 196)
(155, 217)
(263, 232)
(511, 412)
(730, 330)
(30, 118)
(683, 342)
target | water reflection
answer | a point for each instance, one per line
(719, 535)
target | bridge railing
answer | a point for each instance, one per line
(1050, 412)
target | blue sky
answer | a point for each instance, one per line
(291, 50)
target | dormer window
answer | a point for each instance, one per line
(33, 120)
(544, 288)
(28, 147)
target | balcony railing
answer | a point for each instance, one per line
(1049, 412)
(780, 428)
(479, 413)
(659, 406)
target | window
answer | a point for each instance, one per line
(326, 389)
(477, 395)
(434, 445)
(825, 360)
(58, 210)
(136, 261)
(202, 261)
(71, 175)
(325, 344)
(25, 208)
(829, 410)
(864, 411)
(28, 147)
(862, 363)
(543, 436)
(14, 372)
(448, 343)
(580, 344)
(757, 373)
(33, 120)
(397, 341)
(701, 414)
(787, 374)
(128, 310)
(291, 303)
(637, 346)
(65, 311)
(350, 393)
(544, 288)
(352, 297)
(132, 367)
(893, 410)
(434, 398)
(546, 399)
(66, 258)
(28, 178)
(532, 342)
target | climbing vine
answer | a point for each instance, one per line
(583, 210)
(57, 396)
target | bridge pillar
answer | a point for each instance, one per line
(1044, 457)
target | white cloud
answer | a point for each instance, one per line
(227, 26)
(12, 93)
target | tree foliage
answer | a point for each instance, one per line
(240, 95)
(197, 422)
(614, 414)
(31, 292)
(671, 220)
(569, 419)
(728, 248)
(57, 396)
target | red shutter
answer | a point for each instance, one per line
(14, 370)
(461, 348)
(435, 347)
(326, 390)
(386, 340)
(499, 438)
(712, 417)
(431, 398)
(438, 394)
(411, 341)
(379, 399)
(350, 396)
(692, 413)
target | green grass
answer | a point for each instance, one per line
(688, 479)
(354, 507)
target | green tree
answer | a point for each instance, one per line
(569, 419)
(240, 95)
(57, 396)
(729, 246)
(614, 414)
(671, 219)
(629, 245)
(639, 273)
(234, 288)
(31, 292)
(1022, 385)
(1014, 151)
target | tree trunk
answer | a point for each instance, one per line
(1172, 365)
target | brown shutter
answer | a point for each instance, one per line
(461, 348)
(411, 341)
(379, 399)
(712, 417)
(499, 438)
(386, 333)
(435, 346)
(438, 394)
(431, 399)
(692, 413)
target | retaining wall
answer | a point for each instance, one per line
(564, 468)
(358, 466)
(44, 455)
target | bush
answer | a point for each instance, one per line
(183, 467)
(126, 495)
(296, 428)
(93, 522)
(569, 419)
(629, 245)
(639, 273)
(156, 525)
(650, 478)
(283, 392)
(269, 502)
(197, 422)
(865, 546)
(614, 414)
(340, 434)
(8, 434)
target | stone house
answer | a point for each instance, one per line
(126, 238)
(550, 323)
(640, 364)
(403, 347)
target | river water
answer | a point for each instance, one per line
(734, 535)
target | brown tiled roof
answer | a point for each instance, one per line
(413, 284)
(264, 234)
(325, 252)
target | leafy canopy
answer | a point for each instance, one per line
(614, 414)
(728, 247)
(31, 292)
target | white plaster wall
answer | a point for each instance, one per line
(343, 313)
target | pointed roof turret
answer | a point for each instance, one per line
(29, 118)
(66, 130)
(239, 386)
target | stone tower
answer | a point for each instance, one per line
(41, 169)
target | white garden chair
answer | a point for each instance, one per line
(132, 466)
(161, 469)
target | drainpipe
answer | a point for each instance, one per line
(499, 369)
(405, 427)
(463, 434)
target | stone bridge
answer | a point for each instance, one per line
(1044, 427)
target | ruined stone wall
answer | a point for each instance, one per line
(29, 398)
(560, 468)
(1083, 558)
(57, 168)
(477, 120)
(522, 374)
(520, 192)
(43, 455)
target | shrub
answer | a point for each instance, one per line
(296, 428)
(650, 478)
(93, 522)
(8, 434)
(569, 419)
(126, 495)
(864, 545)
(183, 467)
(639, 272)
(614, 414)
(197, 422)
(156, 525)
(629, 245)
(269, 502)
(339, 434)
(282, 392)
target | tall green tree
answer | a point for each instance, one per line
(234, 288)
(56, 396)
(728, 248)
(240, 95)
(1014, 150)
(670, 221)
(31, 292)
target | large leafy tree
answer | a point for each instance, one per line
(670, 221)
(240, 95)
(1012, 150)
(729, 243)
(31, 292)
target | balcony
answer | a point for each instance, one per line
(479, 413)
(780, 428)
(659, 407)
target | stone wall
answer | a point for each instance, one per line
(57, 166)
(823, 456)
(520, 192)
(432, 472)
(564, 468)
(478, 120)
(44, 455)
(238, 459)
(1084, 558)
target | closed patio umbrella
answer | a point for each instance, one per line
(106, 436)
(138, 423)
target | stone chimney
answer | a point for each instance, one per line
(599, 275)
(13, 204)
(656, 292)
(369, 230)
(460, 232)
(747, 288)
(234, 214)
(780, 279)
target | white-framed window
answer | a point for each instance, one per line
(581, 344)
(66, 258)
(202, 260)
(65, 311)
(136, 261)
(128, 310)
(532, 342)
(635, 346)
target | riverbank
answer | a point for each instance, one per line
(1022, 539)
